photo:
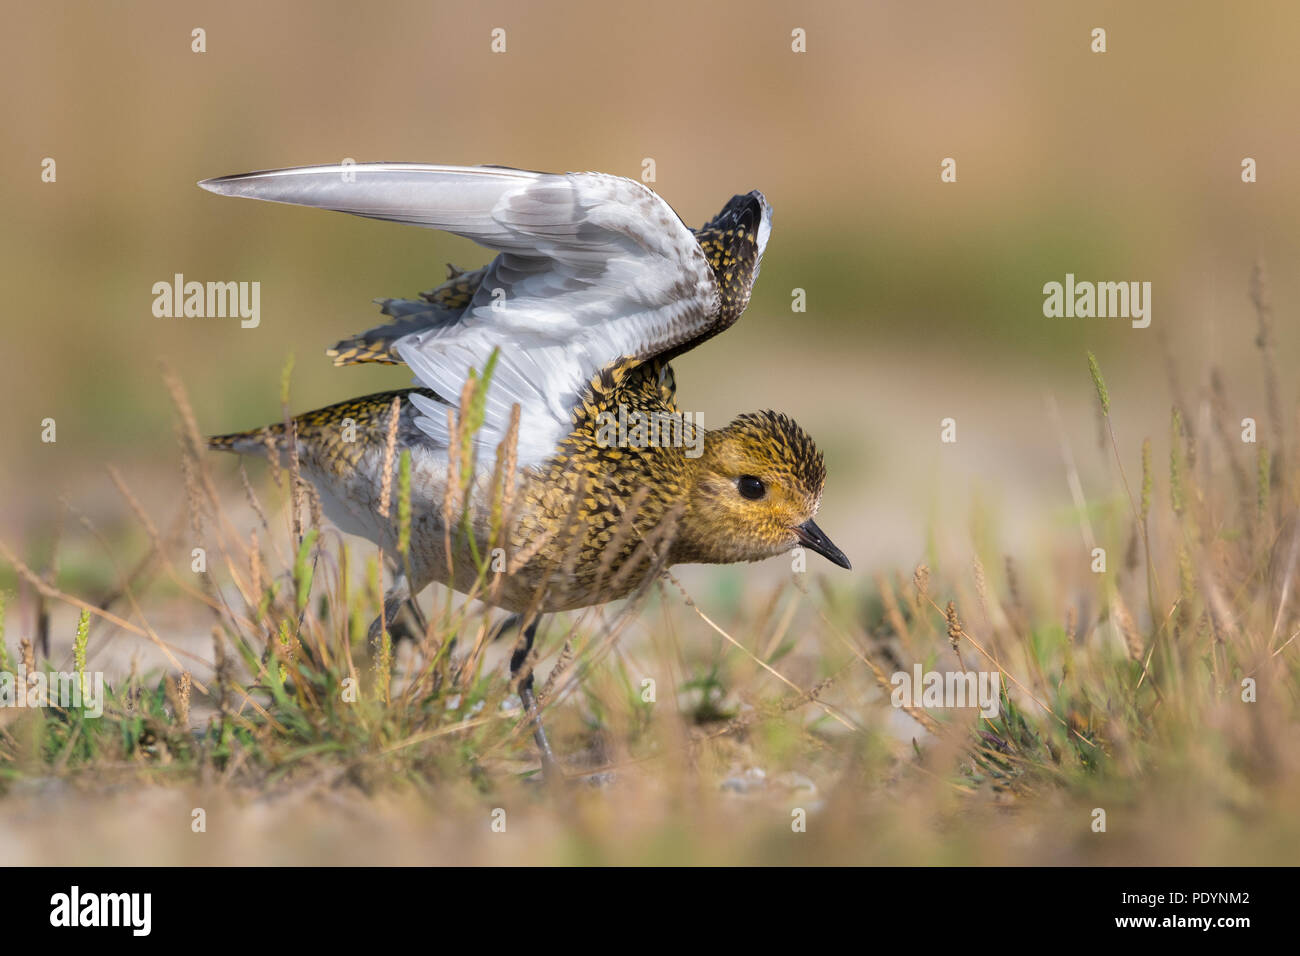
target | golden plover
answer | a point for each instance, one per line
(596, 287)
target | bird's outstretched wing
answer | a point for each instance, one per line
(591, 269)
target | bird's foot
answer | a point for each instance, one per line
(551, 770)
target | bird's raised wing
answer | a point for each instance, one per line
(592, 268)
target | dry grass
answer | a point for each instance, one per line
(1164, 691)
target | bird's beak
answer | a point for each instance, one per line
(812, 537)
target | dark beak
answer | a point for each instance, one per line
(812, 538)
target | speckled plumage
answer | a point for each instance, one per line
(580, 520)
(443, 303)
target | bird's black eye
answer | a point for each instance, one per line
(751, 487)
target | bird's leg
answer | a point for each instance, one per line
(550, 769)
(420, 622)
(502, 629)
(398, 594)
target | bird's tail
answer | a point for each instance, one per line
(258, 441)
(366, 419)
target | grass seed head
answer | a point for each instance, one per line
(1099, 383)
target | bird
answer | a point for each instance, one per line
(596, 286)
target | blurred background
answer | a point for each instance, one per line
(923, 299)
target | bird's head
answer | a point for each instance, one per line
(754, 492)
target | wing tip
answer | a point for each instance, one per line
(764, 221)
(234, 184)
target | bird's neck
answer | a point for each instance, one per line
(701, 537)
